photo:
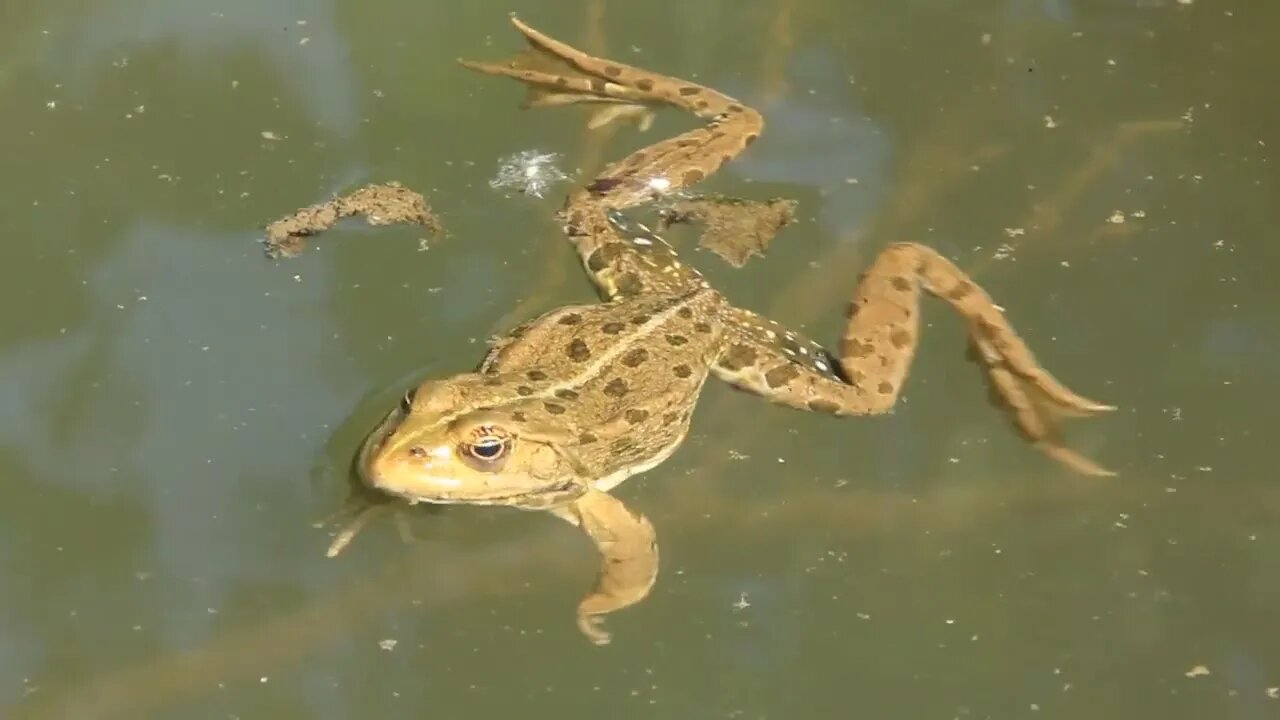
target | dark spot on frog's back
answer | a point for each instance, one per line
(578, 350)
(536, 375)
(900, 283)
(635, 357)
(587, 438)
(630, 284)
(738, 356)
(685, 312)
(859, 349)
(524, 391)
(687, 91)
(615, 388)
(824, 406)
(566, 394)
(702, 327)
(570, 319)
(960, 291)
(900, 338)
(676, 340)
(612, 71)
(612, 328)
(600, 186)
(603, 257)
(554, 408)
(636, 416)
(781, 375)
(682, 371)
(644, 84)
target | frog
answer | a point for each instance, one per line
(566, 406)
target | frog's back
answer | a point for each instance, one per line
(620, 378)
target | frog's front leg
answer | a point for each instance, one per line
(629, 558)
(361, 507)
(879, 342)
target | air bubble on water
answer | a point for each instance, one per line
(529, 172)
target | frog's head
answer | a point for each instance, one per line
(465, 440)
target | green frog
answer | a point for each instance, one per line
(568, 405)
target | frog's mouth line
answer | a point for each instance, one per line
(539, 499)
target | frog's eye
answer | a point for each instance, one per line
(488, 446)
(407, 401)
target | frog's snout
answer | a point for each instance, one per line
(415, 472)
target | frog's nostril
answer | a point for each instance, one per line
(417, 451)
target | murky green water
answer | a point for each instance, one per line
(176, 410)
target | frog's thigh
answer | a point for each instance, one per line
(629, 558)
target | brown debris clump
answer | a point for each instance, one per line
(380, 204)
(734, 229)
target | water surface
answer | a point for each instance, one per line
(176, 411)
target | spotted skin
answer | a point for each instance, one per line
(866, 375)
(568, 405)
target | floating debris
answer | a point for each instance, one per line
(734, 229)
(529, 172)
(380, 204)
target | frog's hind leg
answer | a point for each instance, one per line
(879, 342)
(665, 166)
(355, 515)
(623, 258)
(882, 332)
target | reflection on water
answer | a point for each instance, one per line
(298, 41)
(803, 131)
(175, 411)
